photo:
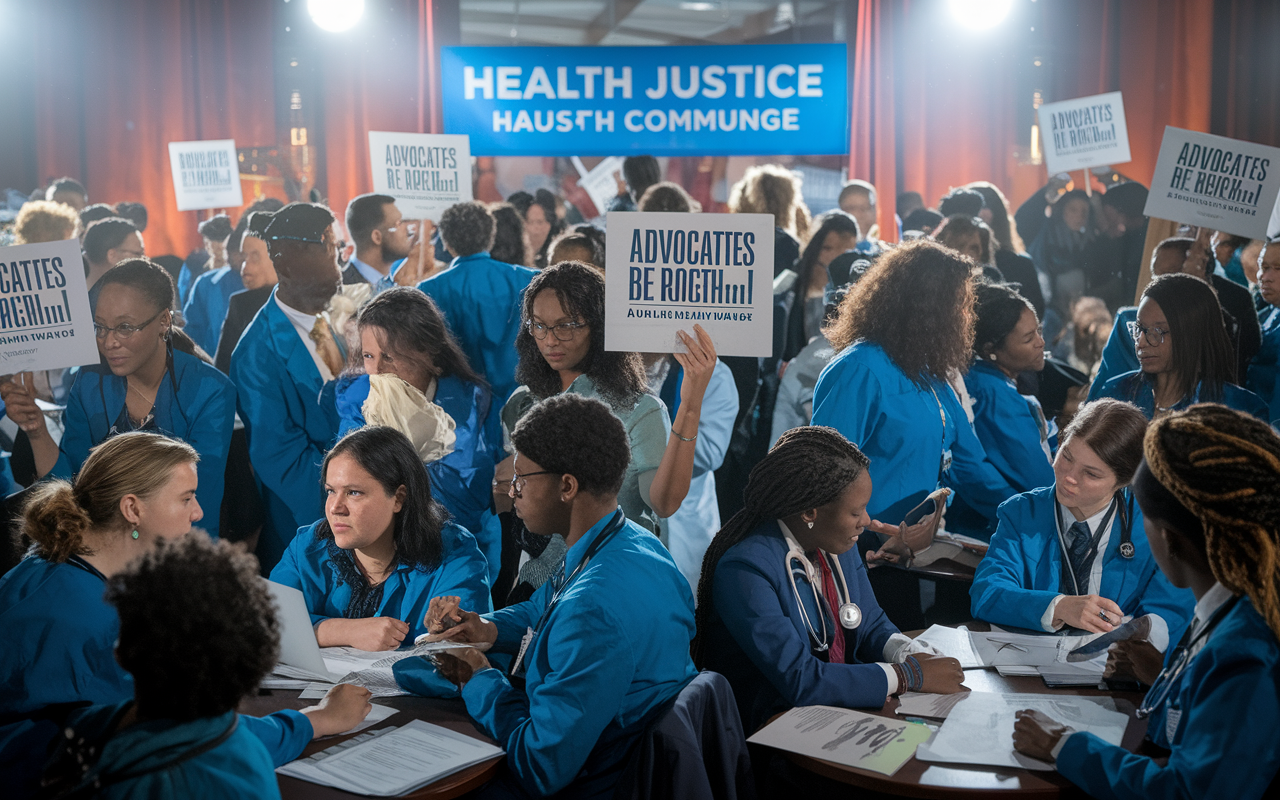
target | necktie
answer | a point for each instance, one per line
(1078, 546)
(326, 347)
(835, 655)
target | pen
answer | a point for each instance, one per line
(1003, 645)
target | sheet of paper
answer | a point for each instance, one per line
(377, 714)
(276, 682)
(846, 737)
(979, 729)
(408, 757)
(933, 706)
(1083, 673)
(954, 642)
(599, 182)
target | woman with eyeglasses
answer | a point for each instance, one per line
(1207, 487)
(153, 378)
(1184, 353)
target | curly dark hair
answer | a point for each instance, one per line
(198, 630)
(915, 302)
(387, 455)
(579, 436)
(411, 323)
(618, 377)
(667, 196)
(998, 307)
(467, 228)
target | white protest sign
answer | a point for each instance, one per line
(1084, 132)
(205, 174)
(598, 182)
(668, 271)
(425, 172)
(45, 321)
(1215, 182)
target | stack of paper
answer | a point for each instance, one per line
(392, 761)
(846, 737)
(953, 642)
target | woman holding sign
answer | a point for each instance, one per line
(152, 380)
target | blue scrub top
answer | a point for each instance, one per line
(462, 480)
(611, 654)
(1224, 739)
(237, 767)
(195, 403)
(1133, 388)
(897, 424)
(1119, 355)
(757, 638)
(60, 648)
(207, 305)
(481, 299)
(1020, 574)
(1264, 372)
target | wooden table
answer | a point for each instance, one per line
(451, 714)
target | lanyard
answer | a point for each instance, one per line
(942, 457)
(1093, 546)
(1160, 690)
(610, 530)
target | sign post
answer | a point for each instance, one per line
(45, 321)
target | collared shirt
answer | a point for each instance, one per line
(1066, 519)
(367, 272)
(1206, 607)
(303, 323)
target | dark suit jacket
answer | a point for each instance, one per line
(1236, 301)
(351, 275)
(240, 312)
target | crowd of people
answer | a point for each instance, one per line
(417, 424)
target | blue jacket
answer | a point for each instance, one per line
(206, 306)
(1226, 742)
(897, 424)
(1132, 387)
(462, 480)
(758, 640)
(1019, 576)
(237, 767)
(613, 651)
(480, 298)
(1119, 355)
(195, 403)
(60, 637)
(1264, 371)
(290, 425)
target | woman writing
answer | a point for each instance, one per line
(1065, 555)
(152, 380)
(384, 548)
(785, 610)
(1184, 353)
(1207, 489)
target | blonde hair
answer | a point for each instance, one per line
(771, 189)
(45, 221)
(58, 514)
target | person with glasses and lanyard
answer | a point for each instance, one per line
(599, 649)
(1184, 353)
(1065, 556)
(1207, 488)
(151, 379)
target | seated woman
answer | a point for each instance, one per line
(152, 379)
(403, 335)
(1207, 489)
(133, 490)
(604, 651)
(1184, 352)
(1011, 426)
(384, 548)
(784, 631)
(179, 735)
(1066, 554)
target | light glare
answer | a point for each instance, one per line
(980, 14)
(335, 15)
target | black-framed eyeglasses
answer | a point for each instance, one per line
(564, 331)
(518, 481)
(1154, 336)
(124, 331)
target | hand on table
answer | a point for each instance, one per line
(1134, 659)
(342, 708)
(1035, 734)
(942, 674)
(371, 633)
(1088, 612)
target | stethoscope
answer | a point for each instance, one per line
(1160, 690)
(1125, 507)
(850, 615)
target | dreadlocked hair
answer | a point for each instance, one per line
(1223, 467)
(808, 467)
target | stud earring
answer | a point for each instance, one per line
(991, 357)
(135, 532)
(811, 526)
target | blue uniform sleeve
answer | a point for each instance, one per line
(195, 312)
(212, 422)
(76, 436)
(715, 425)
(549, 732)
(1002, 591)
(1011, 445)
(284, 734)
(1229, 743)
(754, 616)
(847, 398)
(971, 474)
(462, 573)
(292, 569)
(513, 621)
(1118, 356)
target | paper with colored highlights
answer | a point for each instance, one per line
(851, 738)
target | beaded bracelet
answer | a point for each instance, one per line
(902, 678)
(915, 681)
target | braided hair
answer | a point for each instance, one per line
(807, 468)
(1222, 468)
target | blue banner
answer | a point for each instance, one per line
(727, 100)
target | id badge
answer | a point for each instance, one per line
(946, 461)
(518, 666)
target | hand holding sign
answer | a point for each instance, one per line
(698, 365)
(420, 264)
(19, 398)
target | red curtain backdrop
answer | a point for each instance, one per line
(128, 77)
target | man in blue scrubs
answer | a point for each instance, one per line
(599, 649)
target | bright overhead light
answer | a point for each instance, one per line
(980, 14)
(335, 15)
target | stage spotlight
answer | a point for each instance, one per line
(335, 15)
(980, 14)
